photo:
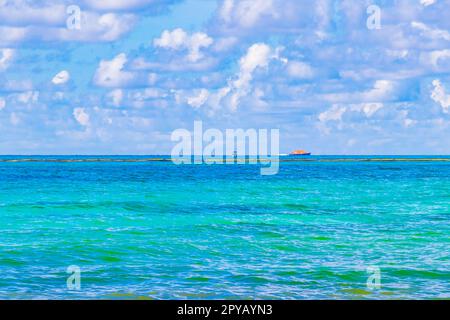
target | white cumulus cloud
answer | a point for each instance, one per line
(116, 96)
(198, 100)
(61, 78)
(436, 56)
(429, 32)
(335, 113)
(369, 109)
(81, 116)
(178, 39)
(118, 4)
(5, 57)
(23, 21)
(246, 12)
(382, 90)
(110, 72)
(28, 97)
(258, 56)
(427, 3)
(439, 95)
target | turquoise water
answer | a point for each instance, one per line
(160, 231)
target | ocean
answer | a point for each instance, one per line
(138, 228)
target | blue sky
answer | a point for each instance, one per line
(136, 70)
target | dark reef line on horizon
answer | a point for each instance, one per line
(238, 160)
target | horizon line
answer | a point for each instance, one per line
(162, 154)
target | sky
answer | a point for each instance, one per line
(334, 76)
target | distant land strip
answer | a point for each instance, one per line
(231, 160)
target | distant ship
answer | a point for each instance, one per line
(300, 153)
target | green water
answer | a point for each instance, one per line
(154, 230)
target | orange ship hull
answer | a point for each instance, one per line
(300, 153)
